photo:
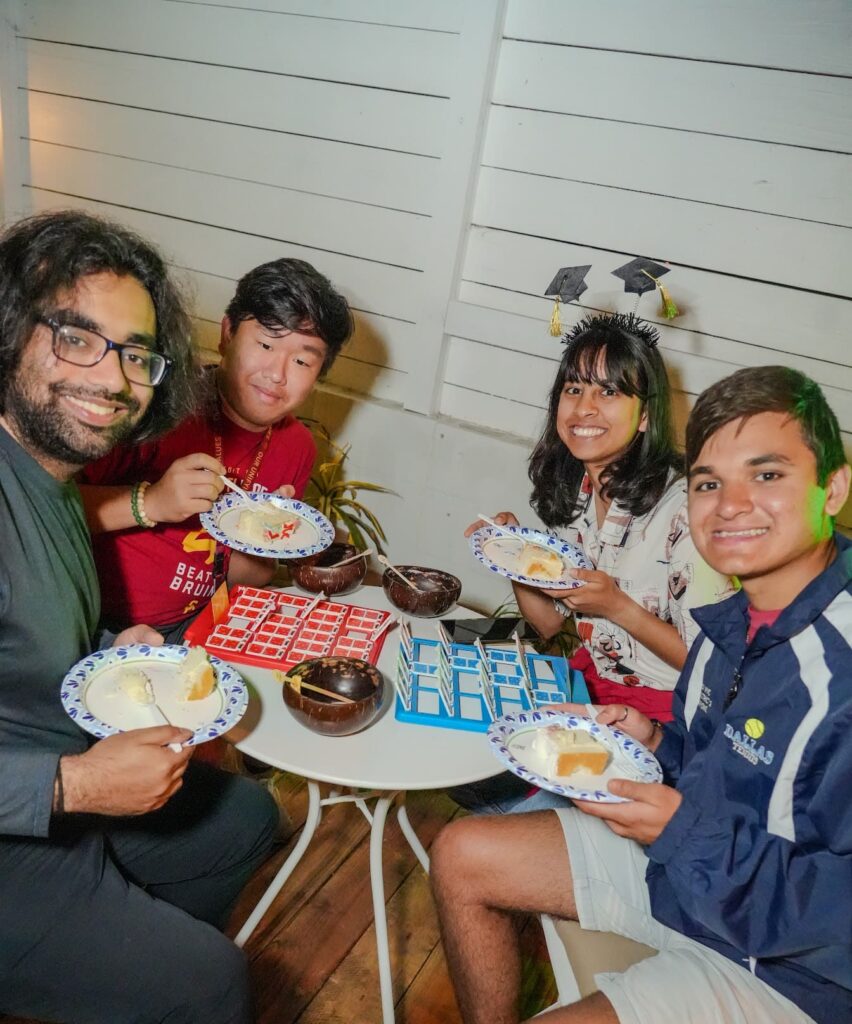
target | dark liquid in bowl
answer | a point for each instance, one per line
(334, 554)
(427, 582)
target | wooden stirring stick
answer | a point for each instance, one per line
(393, 568)
(299, 685)
(352, 558)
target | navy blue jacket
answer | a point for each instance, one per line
(757, 860)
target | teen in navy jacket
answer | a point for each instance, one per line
(757, 860)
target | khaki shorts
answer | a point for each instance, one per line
(685, 983)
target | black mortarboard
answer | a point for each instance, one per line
(635, 275)
(569, 283)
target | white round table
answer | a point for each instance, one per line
(387, 758)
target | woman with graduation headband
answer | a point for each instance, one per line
(607, 477)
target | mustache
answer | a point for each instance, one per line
(126, 400)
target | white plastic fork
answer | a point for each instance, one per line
(503, 530)
(151, 702)
(235, 487)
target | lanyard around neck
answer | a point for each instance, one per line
(247, 479)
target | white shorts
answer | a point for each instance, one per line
(685, 983)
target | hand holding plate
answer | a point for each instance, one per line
(629, 721)
(500, 519)
(600, 594)
(138, 634)
(651, 807)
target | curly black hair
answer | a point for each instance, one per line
(621, 350)
(43, 255)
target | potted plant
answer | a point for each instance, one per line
(337, 498)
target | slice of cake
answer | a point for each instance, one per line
(133, 683)
(566, 751)
(197, 675)
(543, 563)
(265, 524)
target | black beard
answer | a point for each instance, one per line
(45, 430)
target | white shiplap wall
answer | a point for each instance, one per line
(342, 133)
(712, 136)
(439, 161)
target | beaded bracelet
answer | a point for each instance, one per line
(137, 504)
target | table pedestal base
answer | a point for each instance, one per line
(377, 818)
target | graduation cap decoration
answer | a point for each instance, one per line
(643, 275)
(568, 284)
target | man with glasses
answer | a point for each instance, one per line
(118, 860)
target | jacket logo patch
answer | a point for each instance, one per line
(705, 701)
(746, 746)
(754, 728)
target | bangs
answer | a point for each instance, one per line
(598, 358)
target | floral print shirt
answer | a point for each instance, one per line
(653, 559)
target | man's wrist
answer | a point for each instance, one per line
(65, 795)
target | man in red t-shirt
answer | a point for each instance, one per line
(283, 328)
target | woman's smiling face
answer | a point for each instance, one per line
(595, 421)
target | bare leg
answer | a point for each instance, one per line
(483, 870)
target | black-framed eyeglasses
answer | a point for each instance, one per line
(82, 347)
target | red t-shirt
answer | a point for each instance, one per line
(163, 575)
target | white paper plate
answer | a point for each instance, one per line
(312, 534)
(500, 554)
(511, 740)
(91, 696)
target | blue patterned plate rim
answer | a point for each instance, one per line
(325, 531)
(79, 676)
(504, 729)
(564, 548)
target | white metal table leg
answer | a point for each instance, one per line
(289, 865)
(566, 983)
(377, 882)
(409, 833)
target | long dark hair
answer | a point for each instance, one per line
(625, 349)
(49, 253)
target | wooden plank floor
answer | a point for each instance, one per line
(313, 957)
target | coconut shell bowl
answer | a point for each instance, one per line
(334, 696)
(320, 574)
(433, 593)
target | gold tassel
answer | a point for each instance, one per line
(667, 308)
(555, 322)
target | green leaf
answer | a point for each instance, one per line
(360, 485)
(365, 513)
(355, 534)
